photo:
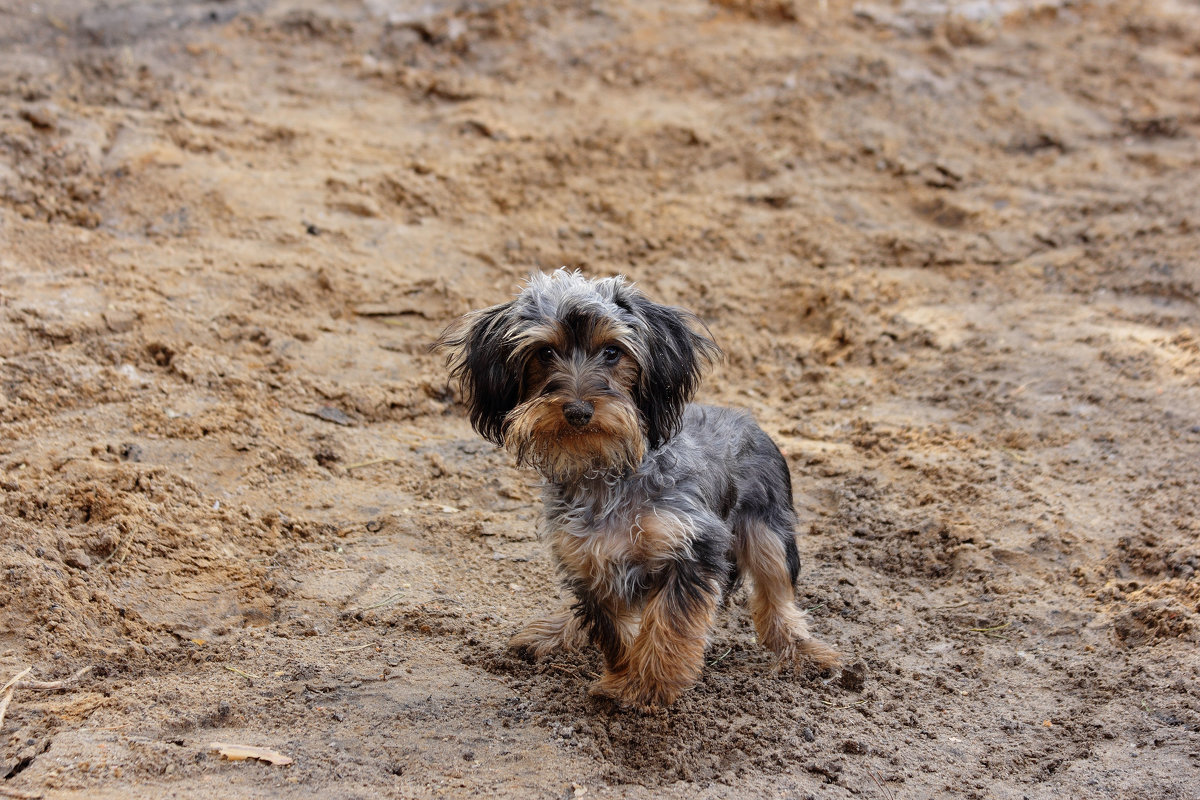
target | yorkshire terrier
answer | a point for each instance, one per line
(654, 509)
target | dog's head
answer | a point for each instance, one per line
(576, 375)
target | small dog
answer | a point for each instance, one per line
(654, 509)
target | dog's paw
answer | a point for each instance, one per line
(632, 694)
(524, 651)
(615, 686)
(531, 647)
(804, 652)
(545, 635)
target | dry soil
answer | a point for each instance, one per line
(951, 251)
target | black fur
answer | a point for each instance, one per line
(676, 355)
(690, 583)
(481, 352)
(598, 621)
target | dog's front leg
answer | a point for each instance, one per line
(611, 625)
(667, 655)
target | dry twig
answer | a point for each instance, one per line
(61, 683)
(8, 690)
(831, 704)
(4, 701)
(372, 462)
(882, 787)
(566, 669)
(989, 631)
(384, 602)
(718, 658)
(244, 674)
(13, 681)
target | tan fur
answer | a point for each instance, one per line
(625, 375)
(778, 620)
(663, 646)
(667, 655)
(539, 434)
(559, 630)
(628, 623)
(538, 336)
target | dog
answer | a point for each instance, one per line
(655, 509)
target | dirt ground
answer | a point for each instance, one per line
(951, 251)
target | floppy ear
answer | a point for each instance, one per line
(478, 352)
(675, 355)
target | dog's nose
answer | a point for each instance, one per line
(578, 412)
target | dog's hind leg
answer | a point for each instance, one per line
(767, 555)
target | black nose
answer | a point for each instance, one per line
(578, 412)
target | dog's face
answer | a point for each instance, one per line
(577, 375)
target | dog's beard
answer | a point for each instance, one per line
(538, 435)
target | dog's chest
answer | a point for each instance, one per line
(607, 559)
(613, 553)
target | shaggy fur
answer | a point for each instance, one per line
(654, 508)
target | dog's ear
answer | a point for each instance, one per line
(676, 349)
(478, 350)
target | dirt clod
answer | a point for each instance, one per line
(854, 677)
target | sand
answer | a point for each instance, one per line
(951, 253)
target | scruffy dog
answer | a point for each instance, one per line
(654, 509)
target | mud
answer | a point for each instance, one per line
(950, 251)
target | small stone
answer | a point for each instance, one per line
(854, 677)
(77, 559)
(808, 735)
(40, 116)
(119, 321)
(334, 415)
(855, 747)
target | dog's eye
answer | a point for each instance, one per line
(545, 355)
(611, 354)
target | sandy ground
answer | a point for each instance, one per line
(953, 257)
